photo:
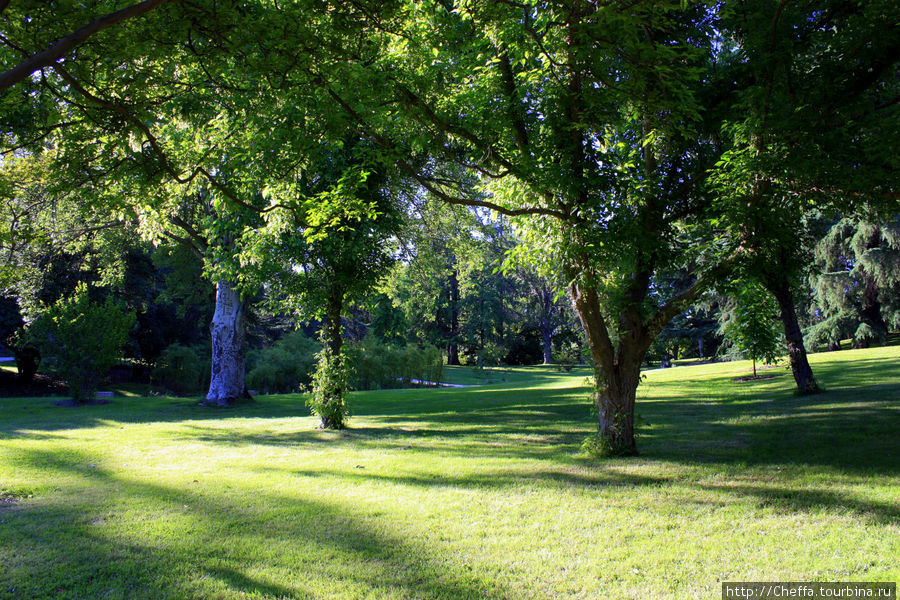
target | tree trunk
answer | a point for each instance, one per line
(331, 412)
(333, 310)
(546, 326)
(28, 359)
(226, 383)
(615, 407)
(616, 373)
(452, 345)
(803, 375)
(700, 347)
(481, 329)
(547, 340)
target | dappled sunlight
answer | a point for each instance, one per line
(464, 493)
(223, 534)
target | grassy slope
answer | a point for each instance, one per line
(459, 493)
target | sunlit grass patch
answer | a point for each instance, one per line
(459, 493)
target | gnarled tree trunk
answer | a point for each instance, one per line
(615, 407)
(617, 364)
(617, 371)
(228, 334)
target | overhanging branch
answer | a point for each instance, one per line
(60, 47)
(427, 182)
(154, 143)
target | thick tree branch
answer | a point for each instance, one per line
(681, 301)
(587, 304)
(429, 183)
(154, 143)
(186, 241)
(182, 224)
(675, 306)
(435, 189)
(515, 112)
(490, 153)
(59, 48)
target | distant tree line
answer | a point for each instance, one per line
(637, 158)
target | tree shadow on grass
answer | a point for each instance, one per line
(848, 433)
(208, 545)
(789, 499)
(543, 477)
(22, 417)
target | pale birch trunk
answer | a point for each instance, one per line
(226, 383)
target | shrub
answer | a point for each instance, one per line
(331, 383)
(866, 335)
(285, 367)
(180, 369)
(567, 357)
(381, 366)
(80, 340)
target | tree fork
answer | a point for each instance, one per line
(616, 378)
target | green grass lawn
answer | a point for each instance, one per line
(459, 493)
(467, 375)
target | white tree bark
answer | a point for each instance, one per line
(228, 347)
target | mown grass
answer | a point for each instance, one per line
(459, 493)
(472, 375)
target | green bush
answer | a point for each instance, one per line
(383, 366)
(331, 382)
(285, 367)
(181, 369)
(567, 357)
(80, 340)
(866, 335)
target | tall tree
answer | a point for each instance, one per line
(856, 282)
(188, 113)
(600, 126)
(430, 285)
(581, 121)
(325, 246)
(814, 117)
